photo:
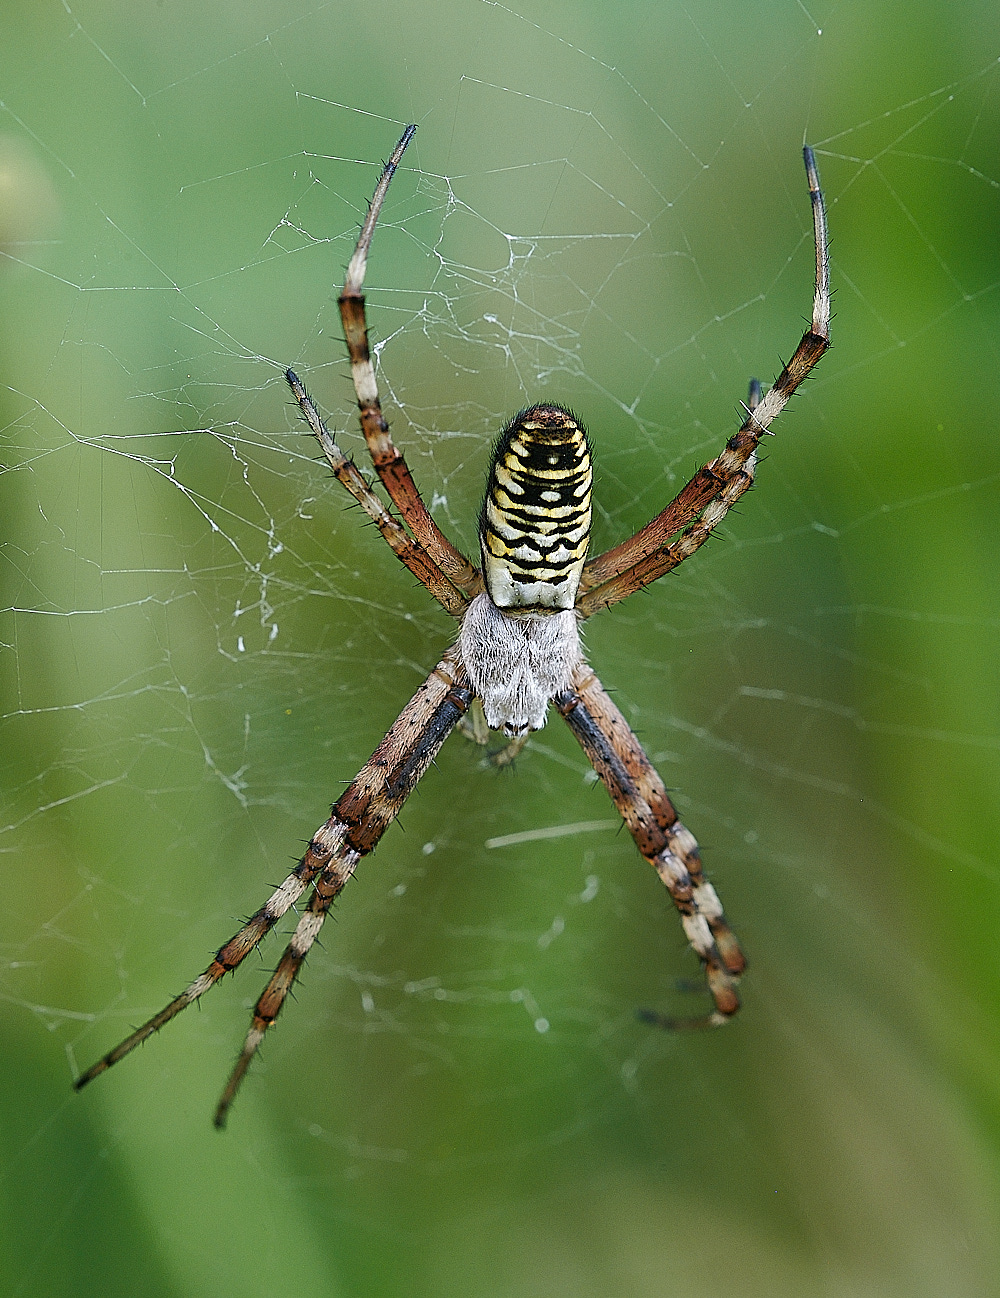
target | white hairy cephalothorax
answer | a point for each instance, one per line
(517, 663)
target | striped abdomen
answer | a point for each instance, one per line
(534, 527)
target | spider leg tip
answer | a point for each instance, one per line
(655, 1019)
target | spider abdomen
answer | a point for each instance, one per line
(534, 527)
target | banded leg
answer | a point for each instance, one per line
(702, 504)
(389, 463)
(641, 799)
(328, 887)
(358, 820)
(406, 549)
(325, 842)
(365, 810)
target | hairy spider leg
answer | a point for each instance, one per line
(703, 503)
(367, 808)
(357, 822)
(641, 799)
(389, 463)
(407, 550)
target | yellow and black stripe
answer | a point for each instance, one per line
(534, 527)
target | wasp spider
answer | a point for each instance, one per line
(518, 648)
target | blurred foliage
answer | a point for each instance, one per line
(604, 207)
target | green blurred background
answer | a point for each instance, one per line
(604, 206)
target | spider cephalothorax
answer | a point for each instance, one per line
(518, 647)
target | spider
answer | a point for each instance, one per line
(518, 647)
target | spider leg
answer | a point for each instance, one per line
(406, 549)
(329, 885)
(474, 727)
(702, 504)
(365, 809)
(230, 956)
(643, 803)
(358, 819)
(389, 463)
(510, 752)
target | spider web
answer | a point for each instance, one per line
(202, 645)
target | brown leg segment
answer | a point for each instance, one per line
(364, 810)
(389, 463)
(643, 803)
(702, 504)
(358, 820)
(406, 549)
